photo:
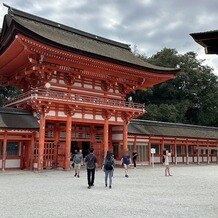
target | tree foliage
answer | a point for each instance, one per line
(190, 98)
(7, 93)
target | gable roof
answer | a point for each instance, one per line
(13, 118)
(208, 39)
(155, 128)
(70, 39)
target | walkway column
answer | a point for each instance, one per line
(41, 141)
(106, 128)
(187, 157)
(4, 154)
(149, 150)
(68, 143)
(31, 150)
(125, 138)
(208, 154)
(175, 153)
(161, 150)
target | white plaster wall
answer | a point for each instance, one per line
(156, 159)
(117, 137)
(88, 116)
(204, 159)
(195, 159)
(112, 118)
(179, 159)
(0, 163)
(61, 82)
(77, 115)
(190, 159)
(15, 163)
(51, 113)
(119, 119)
(77, 84)
(99, 117)
(213, 159)
(98, 87)
(88, 86)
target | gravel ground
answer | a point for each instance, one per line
(192, 191)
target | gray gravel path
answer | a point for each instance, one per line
(192, 191)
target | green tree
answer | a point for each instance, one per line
(7, 93)
(190, 98)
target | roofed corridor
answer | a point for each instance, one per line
(71, 98)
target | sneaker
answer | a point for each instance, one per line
(110, 186)
(126, 176)
(78, 176)
(75, 174)
(105, 185)
(89, 187)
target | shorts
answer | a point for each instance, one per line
(77, 166)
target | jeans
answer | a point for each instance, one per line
(91, 176)
(108, 173)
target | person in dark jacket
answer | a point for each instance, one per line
(126, 161)
(134, 157)
(91, 164)
(108, 167)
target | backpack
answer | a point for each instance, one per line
(108, 164)
(90, 159)
(77, 159)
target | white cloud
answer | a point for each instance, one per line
(149, 24)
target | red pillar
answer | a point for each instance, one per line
(4, 151)
(125, 138)
(68, 143)
(106, 136)
(31, 150)
(149, 150)
(161, 150)
(41, 142)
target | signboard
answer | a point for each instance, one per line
(153, 150)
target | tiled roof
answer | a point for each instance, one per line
(68, 38)
(13, 118)
(154, 128)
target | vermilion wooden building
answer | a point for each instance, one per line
(74, 82)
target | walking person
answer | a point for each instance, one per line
(134, 157)
(78, 161)
(108, 167)
(166, 156)
(91, 164)
(126, 161)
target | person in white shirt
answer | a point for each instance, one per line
(166, 163)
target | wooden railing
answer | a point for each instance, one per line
(70, 98)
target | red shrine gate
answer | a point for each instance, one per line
(75, 84)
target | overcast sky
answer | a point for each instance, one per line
(151, 25)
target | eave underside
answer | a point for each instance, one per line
(24, 56)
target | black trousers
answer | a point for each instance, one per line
(91, 176)
(134, 162)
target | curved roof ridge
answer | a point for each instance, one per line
(13, 11)
(175, 124)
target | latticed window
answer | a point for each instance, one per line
(13, 149)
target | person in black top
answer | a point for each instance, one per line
(134, 157)
(91, 164)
